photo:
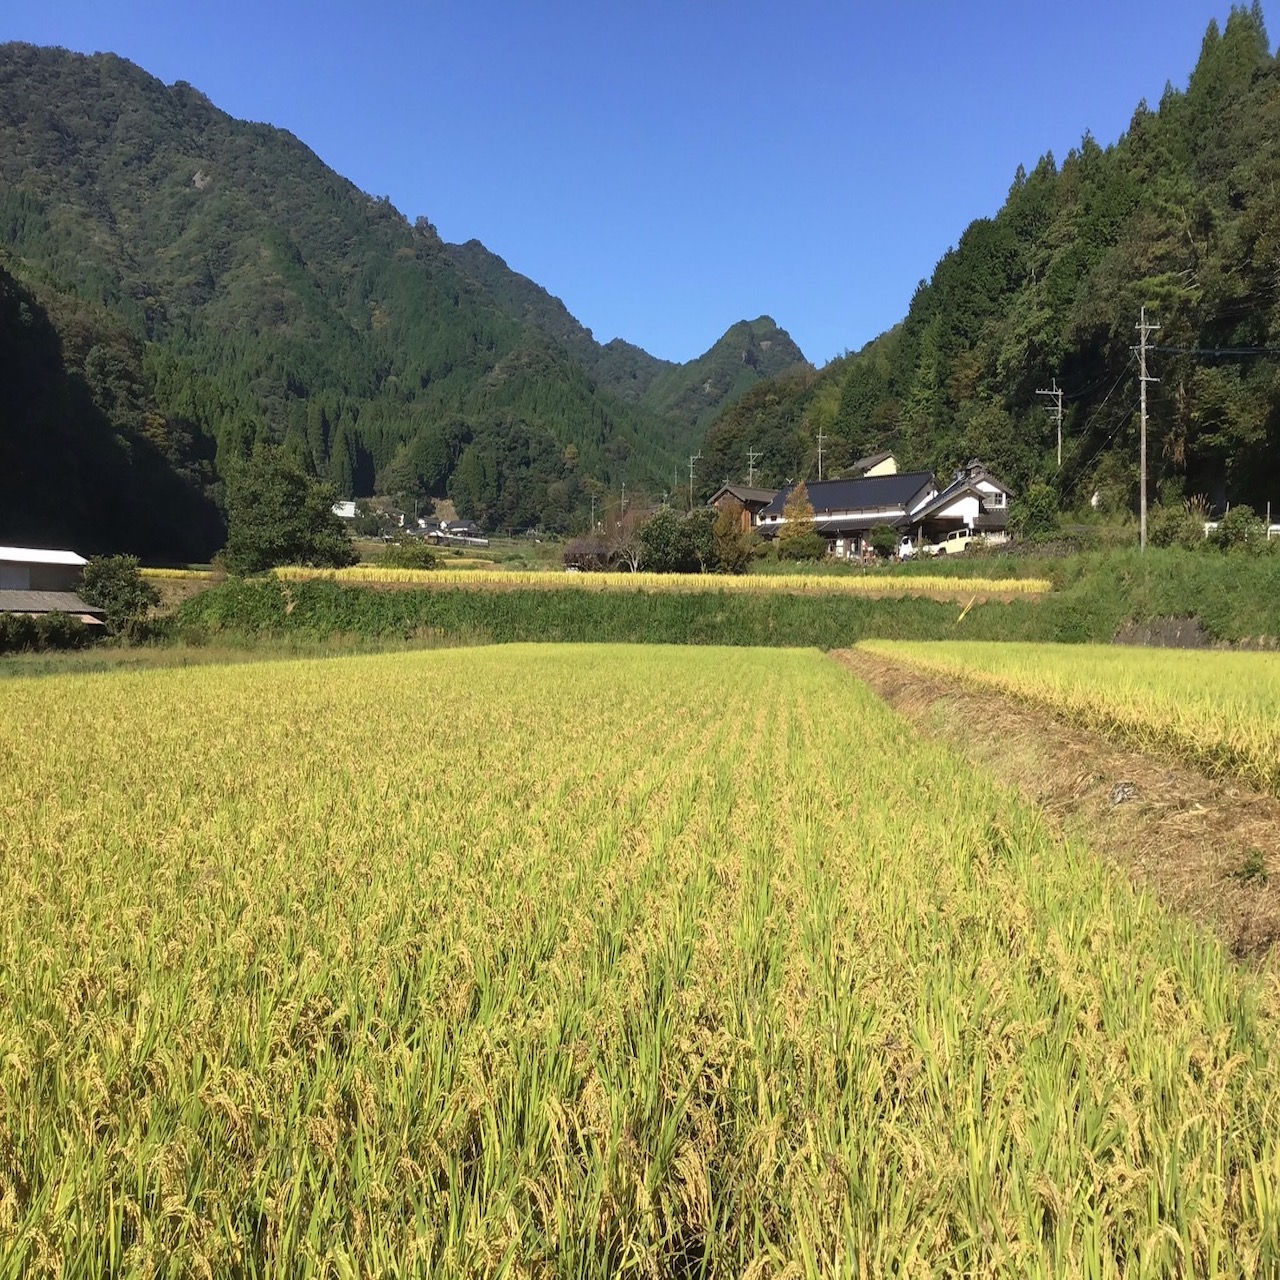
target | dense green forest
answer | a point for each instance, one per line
(189, 284)
(685, 395)
(1182, 215)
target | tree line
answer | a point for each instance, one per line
(1179, 215)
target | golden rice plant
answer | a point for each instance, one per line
(589, 961)
(798, 583)
(1219, 710)
(184, 575)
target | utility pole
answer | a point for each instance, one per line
(593, 513)
(820, 439)
(692, 459)
(1144, 329)
(624, 499)
(752, 455)
(1056, 393)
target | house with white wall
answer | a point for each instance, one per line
(845, 511)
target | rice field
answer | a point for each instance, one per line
(589, 961)
(796, 583)
(1218, 710)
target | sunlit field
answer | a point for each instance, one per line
(1219, 710)
(589, 961)
(805, 583)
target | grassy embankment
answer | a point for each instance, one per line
(1237, 599)
(744, 979)
(1220, 712)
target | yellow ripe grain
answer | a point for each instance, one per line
(590, 960)
(795, 583)
(1219, 710)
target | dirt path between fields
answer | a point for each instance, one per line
(1208, 848)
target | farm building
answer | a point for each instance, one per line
(752, 501)
(845, 511)
(35, 581)
(874, 464)
(974, 499)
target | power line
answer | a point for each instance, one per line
(1217, 351)
(1084, 467)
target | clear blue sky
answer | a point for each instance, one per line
(667, 167)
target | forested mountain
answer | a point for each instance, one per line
(207, 282)
(687, 396)
(86, 459)
(1182, 215)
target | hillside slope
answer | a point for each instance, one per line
(686, 396)
(269, 297)
(1180, 215)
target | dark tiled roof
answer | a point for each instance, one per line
(864, 493)
(745, 494)
(45, 602)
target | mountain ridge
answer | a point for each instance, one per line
(270, 298)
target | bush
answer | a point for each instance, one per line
(21, 633)
(409, 555)
(61, 631)
(1035, 514)
(802, 546)
(1241, 529)
(115, 584)
(1174, 526)
(884, 540)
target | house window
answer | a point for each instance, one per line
(995, 500)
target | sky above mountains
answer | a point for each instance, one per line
(669, 167)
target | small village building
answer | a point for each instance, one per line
(35, 581)
(974, 500)
(752, 501)
(874, 464)
(845, 511)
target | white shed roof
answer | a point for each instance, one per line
(39, 555)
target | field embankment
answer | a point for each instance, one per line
(663, 961)
(1219, 712)
(1235, 600)
(1206, 845)
(576, 614)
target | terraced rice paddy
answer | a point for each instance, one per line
(543, 961)
(1218, 710)
(795, 583)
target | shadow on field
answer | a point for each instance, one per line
(1208, 848)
